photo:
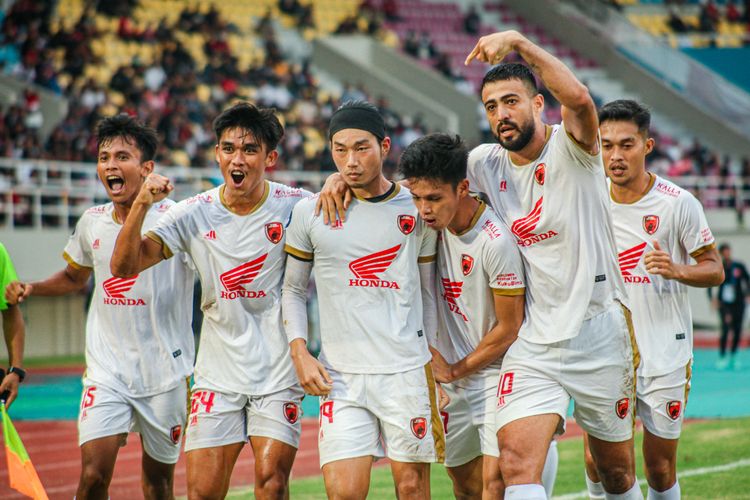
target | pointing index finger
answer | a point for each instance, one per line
(474, 52)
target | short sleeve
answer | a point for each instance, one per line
(169, 231)
(476, 158)
(78, 249)
(571, 149)
(694, 234)
(7, 274)
(298, 242)
(504, 267)
(428, 245)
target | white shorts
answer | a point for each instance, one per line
(364, 412)
(596, 369)
(469, 422)
(221, 418)
(661, 402)
(159, 419)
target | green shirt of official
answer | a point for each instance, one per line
(7, 274)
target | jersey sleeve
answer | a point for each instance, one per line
(694, 234)
(504, 267)
(78, 249)
(298, 242)
(474, 165)
(428, 245)
(7, 274)
(170, 232)
(571, 149)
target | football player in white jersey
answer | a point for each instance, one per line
(664, 245)
(547, 183)
(373, 373)
(139, 342)
(480, 285)
(245, 385)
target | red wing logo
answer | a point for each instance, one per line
(629, 258)
(242, 275)
(291, 412)
(650, 223)
(96, 244)
(274, 232)
(406, 223)
(451, 290)
(674, 409)
(176, 433)
(621, 407)
(467, 264)
(115, 288)
(369, 266)
(539, 174)
(524, 227)
(419, 427)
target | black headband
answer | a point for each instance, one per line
(357, 117)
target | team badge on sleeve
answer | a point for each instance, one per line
(621, 407)
(291, 412)
(274, 232)
(674, 409)
(176, 433)
(406, 223)
(467, 264)
(650, 223)
(419, 427)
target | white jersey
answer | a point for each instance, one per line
(473, 266)
(138, 335)
(558, 210)
(240, 261)
(661, 309)
(366, 272)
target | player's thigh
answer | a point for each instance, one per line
(104, 412)
(467, 478)
(210, 469)
(216, 419)
(160, 419)
(348, 478)
(273, 458)
(661, 402)
(462, 436)
(98, 457)
(277, 416)
(524, 444)
(406, 405)
(412, 479)
(348, 429)
(599, 374)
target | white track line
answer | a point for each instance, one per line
(688, 473)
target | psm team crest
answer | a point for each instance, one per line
(650, 223)
(539, 172)
(291, 412)
(274, 232)
(406, 223)
(419, 427)
(467, 264)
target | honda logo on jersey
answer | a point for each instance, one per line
(406, 223)
(524, 227)
(243, 274)
(629, 260)
(115, 289)
(367, 269)
(650, 223)
(467, 264)
(539, 172)
(274, 232)
(451, 292)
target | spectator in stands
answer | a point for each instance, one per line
(708, 17)
(732, 13)
(675, 22)
(14, 331)
(730, 302)
(390, 9)
(426, 49)
(472, 21)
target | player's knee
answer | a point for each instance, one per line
(411, 485)
(616, 477)
(466, 490)
(494, 487)
(205, 490)
(94, 479)
(271, 483)
(661, 473)
(156, 487)
(515, 464)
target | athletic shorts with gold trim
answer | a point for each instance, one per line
(393, 415)
(661, 402)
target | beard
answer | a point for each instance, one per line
(524, 136)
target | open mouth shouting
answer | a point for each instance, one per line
(237, 177)
(115, 184)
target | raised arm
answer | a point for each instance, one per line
(578, 108)
(133, 253)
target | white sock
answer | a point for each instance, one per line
(525, 492)
(596, 490)
(672, 493)
(634, 493)
(549, 473)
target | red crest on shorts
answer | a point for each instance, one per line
(419, 427)
(467, 264)
(621, 407)
(650, 223)
(406, 223)
(176, 433)
(539, 174)
(291, 412)
(274, 232)
(674, 409)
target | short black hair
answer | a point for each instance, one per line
(724, 246)
(511, 71)
(130, 130)
(261, 122)
(357, 114)
(626, 110)
(437, 157)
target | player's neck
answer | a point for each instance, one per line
(465, 217)
(378, 187)
(242, 202)
(121, 211)
(632, 191)
(534, 148)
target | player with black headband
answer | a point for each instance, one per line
(378, 392)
